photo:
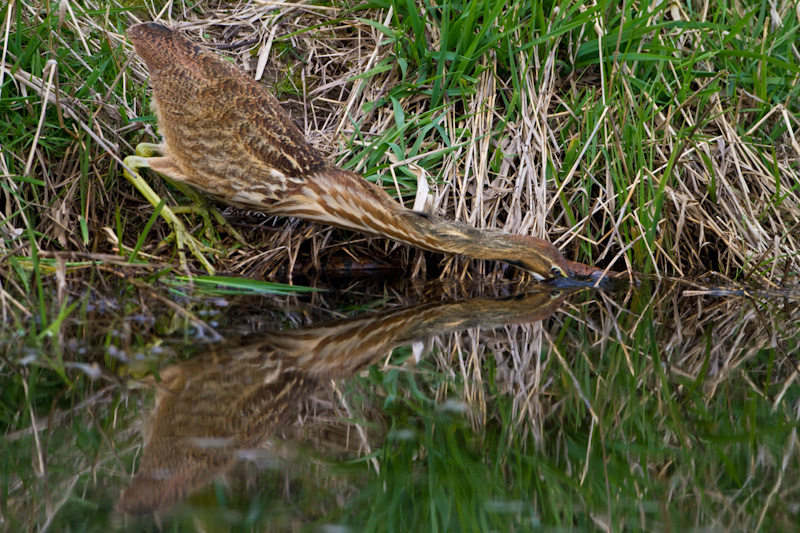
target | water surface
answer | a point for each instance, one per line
(663, 406)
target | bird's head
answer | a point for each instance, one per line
(537, 256)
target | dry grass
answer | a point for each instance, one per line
(670, 174)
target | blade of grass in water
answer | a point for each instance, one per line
(230, 285)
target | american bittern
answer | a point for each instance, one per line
(225, 135)
(214, 408)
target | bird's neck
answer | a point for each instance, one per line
(445, 236)
(344, 199)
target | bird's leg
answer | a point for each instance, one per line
(200, 205)
(183, 238)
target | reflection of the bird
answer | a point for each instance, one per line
(230, 399)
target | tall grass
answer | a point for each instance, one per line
(655, 137)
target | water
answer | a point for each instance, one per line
(662, 406)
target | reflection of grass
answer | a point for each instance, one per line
(559, 424)
(680, 437)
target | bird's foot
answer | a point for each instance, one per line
(147, 149)
(206, 211)
(183, 238)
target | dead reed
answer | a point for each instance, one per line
(661, 147)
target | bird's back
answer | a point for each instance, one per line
(227, 134)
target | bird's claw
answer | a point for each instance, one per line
(184, 239)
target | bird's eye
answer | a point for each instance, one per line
(557, 272)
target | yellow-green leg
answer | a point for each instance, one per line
(183, 238)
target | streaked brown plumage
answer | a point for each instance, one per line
(219, 406)
(225, 135)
